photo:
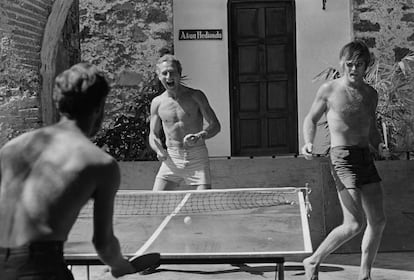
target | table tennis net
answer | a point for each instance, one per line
(164, 203)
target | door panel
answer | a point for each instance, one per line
(263, 78)
(249, 132)
(249, 97)
(249, 60)
(277, 95)
(276, 55)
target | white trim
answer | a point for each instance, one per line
(305, 225)
(289, 189)
(161, 227)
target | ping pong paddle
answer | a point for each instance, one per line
(145, 262)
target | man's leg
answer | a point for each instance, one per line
(372, 202)
(198, 169)
(164, 185)
(350, 200)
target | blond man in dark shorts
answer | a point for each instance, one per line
(350, 108)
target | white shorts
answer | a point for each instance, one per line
(189, 164)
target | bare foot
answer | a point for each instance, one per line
(311, 269)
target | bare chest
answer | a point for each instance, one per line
(351, 105)
(178, 111)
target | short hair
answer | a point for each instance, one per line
(356, 49)
(79, 90)
(170, 58)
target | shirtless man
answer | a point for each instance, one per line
(350, 105)
(48, 174)
(181, 112)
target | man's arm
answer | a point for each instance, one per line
(105, 242)
(316, 111)
(155, 131)
(375, 138)
(213, 125)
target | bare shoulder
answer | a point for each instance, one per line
(327, 89)
(158, 99)
(197, 94)
(371, 91)
(22, 144)
(67, 148)
(156, 103)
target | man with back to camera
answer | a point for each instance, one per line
(181, 111)
(48, 174)
(350, 107)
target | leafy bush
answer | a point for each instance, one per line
(126, 138)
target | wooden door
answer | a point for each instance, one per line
(263, 78)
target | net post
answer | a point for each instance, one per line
(280, 270)
(306, 191)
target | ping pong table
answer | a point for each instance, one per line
(231, 226)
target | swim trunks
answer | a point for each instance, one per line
(352, 167)
(36, 261)
(190, 164)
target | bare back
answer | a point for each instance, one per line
(46, 177)
(350, 113)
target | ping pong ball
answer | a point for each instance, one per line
(187, 220)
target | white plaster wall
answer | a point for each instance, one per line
(319, 36)
(205, 62)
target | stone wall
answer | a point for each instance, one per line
(124, 38)
(388, 29)
(386, 26)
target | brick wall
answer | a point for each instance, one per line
(21, 31)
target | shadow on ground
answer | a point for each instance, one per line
(385, 260)
(253, 270)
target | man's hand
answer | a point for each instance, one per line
(123, 268)
(307, 150)
(162, 155)
(383, 151)
(192, 139)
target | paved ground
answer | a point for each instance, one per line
(388, 266)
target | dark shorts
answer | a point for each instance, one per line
(37, 261)
(353, 167)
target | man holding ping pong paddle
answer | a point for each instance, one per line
(187, 119)
(349, 105)
(48, 174)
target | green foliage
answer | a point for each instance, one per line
(126, 138)
(395, 86)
